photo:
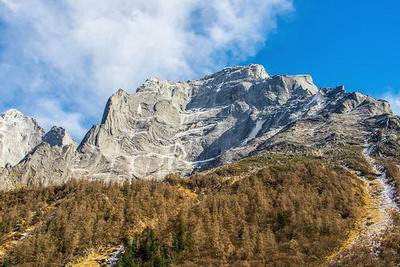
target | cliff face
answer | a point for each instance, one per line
(179, 127)
(19, 134)
(31, 156)
(57, 136)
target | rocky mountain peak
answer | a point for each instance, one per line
(114, 102)
(170, 126)
(306, 83)
(179, 127)
(282, 88)
(12, 113)
(117, 97)
(19, 134)
(363, 104)
(57, 136)
(120, 93)
(253, 72)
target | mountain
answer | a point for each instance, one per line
(19, 134)
(57, 136)
(181, 127)
(168, 127)
(48, 160)
(250, 170)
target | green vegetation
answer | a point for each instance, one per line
(81, 216)
(265, 210)
(146, 251)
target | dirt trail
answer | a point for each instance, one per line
(379, 205)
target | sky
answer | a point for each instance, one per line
(339, 42)
(61, 60)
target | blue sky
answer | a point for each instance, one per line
(355, 43)
(61, 60)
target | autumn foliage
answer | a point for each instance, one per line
(265, 210)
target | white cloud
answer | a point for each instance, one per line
(50, 114)
(76, 53)
(394, 99)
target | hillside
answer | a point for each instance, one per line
(274, 209)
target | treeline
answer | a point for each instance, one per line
(264, 210)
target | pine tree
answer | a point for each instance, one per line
(128, 259)
(179, 238)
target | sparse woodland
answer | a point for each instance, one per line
(275, 210)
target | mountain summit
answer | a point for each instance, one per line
(57, 136)
(255, 168)
(19, 134)
(180, 127)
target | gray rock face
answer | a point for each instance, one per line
(173, 127)
(182, 126)
(45, 165)
(48, 163)
(57, 136)
(179, 127)
(19, 134)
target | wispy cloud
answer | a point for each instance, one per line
(50, 111)
(74, 53)
(393, 97)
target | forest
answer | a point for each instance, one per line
(269, 210)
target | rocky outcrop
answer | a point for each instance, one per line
(48, 163)
(19, 134)
(184, 126)
(45, 165)
(57, 136)
(180, 127)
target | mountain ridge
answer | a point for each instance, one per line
(167, 127)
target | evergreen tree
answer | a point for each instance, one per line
(178, 244)
(128, 259)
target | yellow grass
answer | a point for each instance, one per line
(93, 259)
(371, 215)
(358, 225)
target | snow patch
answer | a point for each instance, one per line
(112, 261)
(389, 192)
(196, 163)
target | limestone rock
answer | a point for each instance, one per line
(57, 136)
(184, 126)
(19, 134)
(45, 165)
(181, 127)
(49, 163)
